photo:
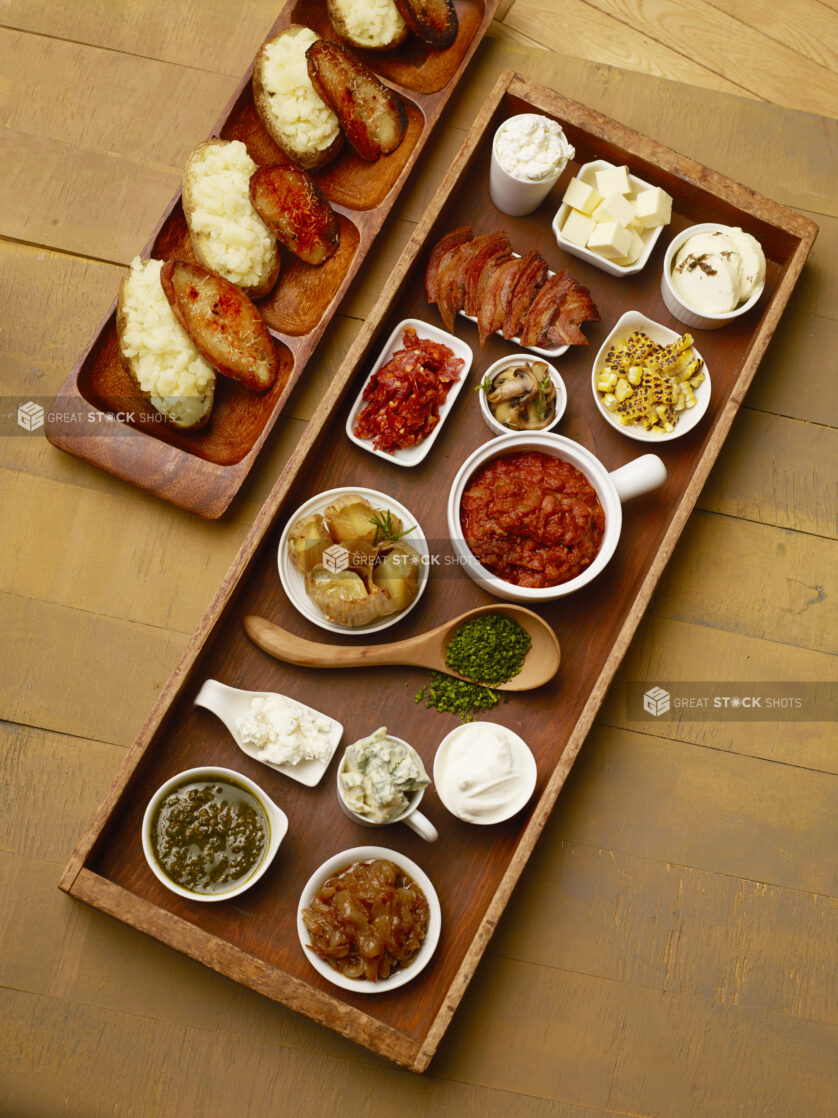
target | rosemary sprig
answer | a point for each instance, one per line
(384, 530)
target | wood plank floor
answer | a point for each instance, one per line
(671, 948)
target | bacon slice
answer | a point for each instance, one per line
(576, 307)
(492, 310)
(532, 276)
(449, 241)
(494, 245)
(452, 282)
(545, 307)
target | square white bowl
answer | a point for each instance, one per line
(587, 173)
(687, 419)
(412, 455)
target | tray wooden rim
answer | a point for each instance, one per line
(326, 1008)
(181, 477)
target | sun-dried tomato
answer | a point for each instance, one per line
(402, 400)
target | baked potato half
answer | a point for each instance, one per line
(296, 211)
(294, 115)
(158, 354)
(225, 326)
(368, 24)
(228, 236)
(372, 115)
(433, 21)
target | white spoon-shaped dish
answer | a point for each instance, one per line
(229, 704)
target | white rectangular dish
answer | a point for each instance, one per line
(412, 455)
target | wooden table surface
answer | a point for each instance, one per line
(671, 947)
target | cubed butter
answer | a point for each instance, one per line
(634, 252)
(653, 208)
(581, 196)
(613, 180)
(614, 208)
(577, 228)
(609, 239)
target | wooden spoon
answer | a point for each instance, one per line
(425, 651)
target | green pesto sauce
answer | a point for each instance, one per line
(209, 835)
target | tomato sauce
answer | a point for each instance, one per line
(532, 519)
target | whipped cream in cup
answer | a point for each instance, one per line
(529, 152)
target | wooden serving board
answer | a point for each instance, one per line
(474, 869)
(99, 415)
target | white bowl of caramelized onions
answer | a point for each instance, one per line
(340, 905)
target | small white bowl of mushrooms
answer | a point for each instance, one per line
(523, 394)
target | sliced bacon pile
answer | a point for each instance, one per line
(402, 400)
(511, 294)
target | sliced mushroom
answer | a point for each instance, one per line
(516, 382)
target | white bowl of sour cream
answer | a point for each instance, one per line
(484, 773)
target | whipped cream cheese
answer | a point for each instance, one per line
(716, 271)
(484, 773)
(532, 147)
(285, 733)
(376, 776)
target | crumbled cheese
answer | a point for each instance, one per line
(299, 114)
(372, 22)
(532, 147)
(233, 237)
(166, 362)
(285, 733)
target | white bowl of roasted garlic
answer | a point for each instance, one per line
(611, 218)
(649, 382)
(353, 560)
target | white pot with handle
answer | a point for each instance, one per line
(613, 488)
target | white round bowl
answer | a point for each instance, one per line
(347, 858)
(530, 773)
(293, 582)
(697, 320)
(277, 826)
(522, 359)
(687, 419)
(587, 173)
(643, 474)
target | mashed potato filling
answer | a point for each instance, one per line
(166, 363)
(234, 238)
(300, 116)
(372, 22)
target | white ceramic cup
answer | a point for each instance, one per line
(413, 818)
(513, 195)
(689, 316)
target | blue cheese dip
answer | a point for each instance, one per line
(377, 776)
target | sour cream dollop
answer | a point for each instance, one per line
(532, 147)
(716, 271)
(484, 773)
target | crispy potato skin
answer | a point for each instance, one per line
(296, 211)
(190, 177)
(225, 326)
(128, 366)
(336, 17)
(372, 116)
(309, 160)
(433, 21)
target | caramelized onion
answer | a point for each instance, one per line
(368, 920)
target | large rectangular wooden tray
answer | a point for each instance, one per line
(474, 869)
(100, 416)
